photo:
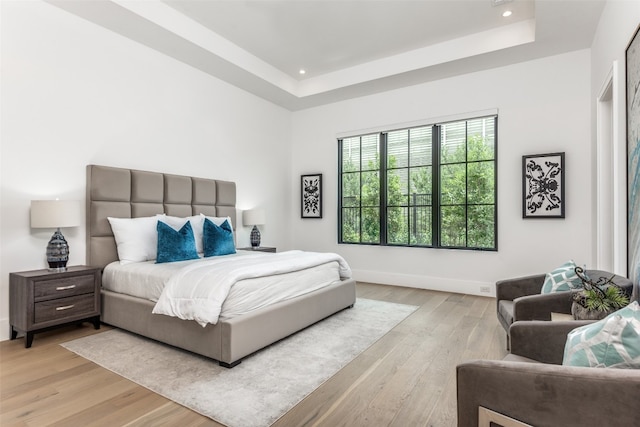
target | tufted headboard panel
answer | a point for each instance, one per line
(129, 193)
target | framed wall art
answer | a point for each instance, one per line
(311, 188)
(543, 186)
(632, 56)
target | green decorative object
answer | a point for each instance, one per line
(598, 298)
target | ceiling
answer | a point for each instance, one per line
(348, 48)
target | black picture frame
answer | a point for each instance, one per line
(632, 75)
(543, 194)
(311, 196)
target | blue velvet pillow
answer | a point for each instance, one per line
(218, 240)
(175, 245)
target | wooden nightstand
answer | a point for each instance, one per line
(41, 299)
(258, 249)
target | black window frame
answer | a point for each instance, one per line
(436, 203)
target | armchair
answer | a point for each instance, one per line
(520, 298)
(530, 386)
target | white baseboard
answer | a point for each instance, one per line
(4, 329)
(459, 286)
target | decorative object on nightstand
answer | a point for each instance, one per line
(56, 214)
(42, 299)
(254, 217)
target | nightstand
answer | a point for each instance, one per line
(41, 299)
(258, 249)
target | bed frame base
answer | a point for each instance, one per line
(229, 340)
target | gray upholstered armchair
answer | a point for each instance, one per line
(520, 298)
(528, 385)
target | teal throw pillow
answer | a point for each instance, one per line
(613, 342)
(563, 278)
(175, 245)
(218, 240)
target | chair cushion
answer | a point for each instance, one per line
(563, 278)
(612, 342)
(505, 310)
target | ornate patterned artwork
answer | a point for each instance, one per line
(312, 196)
(543, 186)
(633, 157)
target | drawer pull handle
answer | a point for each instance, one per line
(66, 307)
(64, 288)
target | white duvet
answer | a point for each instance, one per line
(198, 291)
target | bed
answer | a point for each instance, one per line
(128, 193)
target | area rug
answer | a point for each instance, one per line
(266, 384)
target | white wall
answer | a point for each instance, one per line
(617, 25)
(544, 106)
(75, 94)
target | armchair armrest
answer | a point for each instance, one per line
(542, 341)
(510, 289)
(547, 395)
(540, 306)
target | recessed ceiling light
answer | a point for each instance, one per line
(302, 71)
(507, 13)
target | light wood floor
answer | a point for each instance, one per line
(407, 378)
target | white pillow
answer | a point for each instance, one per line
(217, 220)
(197, 224)
(136, 238)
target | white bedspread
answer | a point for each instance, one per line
(197, 291)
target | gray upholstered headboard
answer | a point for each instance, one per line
(129, 193)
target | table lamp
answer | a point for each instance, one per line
(56, 214)
(254, 217)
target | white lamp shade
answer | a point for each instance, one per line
(55, 213)
(253, 217)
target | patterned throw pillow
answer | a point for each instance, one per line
(613, 342)
(563, 278)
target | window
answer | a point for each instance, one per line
(388, 181)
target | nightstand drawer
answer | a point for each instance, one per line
(63, 287)
(61, 308)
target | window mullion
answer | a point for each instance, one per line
(466, 184)
(408, 200)
(340, 195)
(360, 196)
(383, 189)
(435, 201)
